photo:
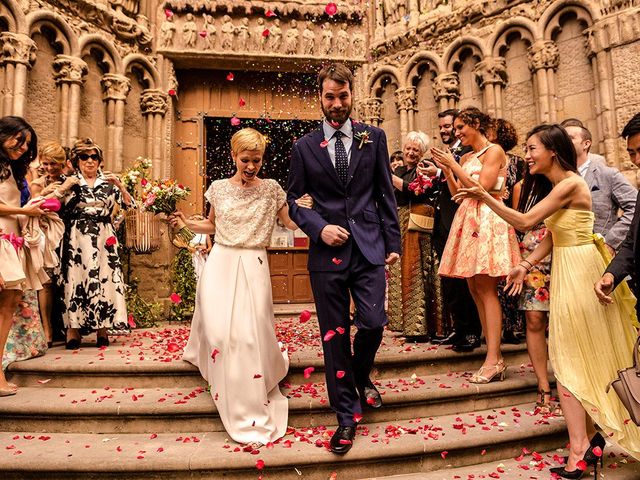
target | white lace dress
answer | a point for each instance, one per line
(233, 340)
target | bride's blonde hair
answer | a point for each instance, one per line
(248, 139)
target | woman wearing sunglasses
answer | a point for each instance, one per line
(90, 273)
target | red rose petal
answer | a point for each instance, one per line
(444, 454)
(172, 92)
(203, 33)
(337, 261)
(357, 417)
(111, 241)
(329, 335)
(269, 14)
(581, 465)
(173, 347)
(131, 321)
(597, 451)
(305, 315)
(331, 9)
(265, 32)
(153, 435)
(340, 374)
(257, 375)
(260, 464)
(242, 102)
(168, 13)
(308, 371)
(324, 143)
(230, 76)
(214, 353)
(175, 298)
(340, 330)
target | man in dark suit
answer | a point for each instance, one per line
(627, 261)
(354, 232)
(455, 291)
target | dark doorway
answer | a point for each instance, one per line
(280, 135)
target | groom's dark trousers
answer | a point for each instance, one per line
(366, 207)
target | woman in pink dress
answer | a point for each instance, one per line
(481, 246)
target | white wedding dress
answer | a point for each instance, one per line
(233, 340)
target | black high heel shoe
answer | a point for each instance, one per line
(589, 457)
(573, 474)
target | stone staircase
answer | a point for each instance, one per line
(135, 410)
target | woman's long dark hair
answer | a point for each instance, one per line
(9, 127)
(536, 187)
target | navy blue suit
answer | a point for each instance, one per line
(366, 207)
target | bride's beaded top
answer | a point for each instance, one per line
(245, 216)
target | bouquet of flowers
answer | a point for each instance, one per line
(161, 196)
(420, 184)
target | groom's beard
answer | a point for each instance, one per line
(338, 115)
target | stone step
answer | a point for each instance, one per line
(418, 445)
(292, 310)
(526, 466)
(136, 410)
(152, 358)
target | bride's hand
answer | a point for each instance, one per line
(305, 201)
(515, 279)
(177, 219)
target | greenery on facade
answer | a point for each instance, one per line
(184, 284)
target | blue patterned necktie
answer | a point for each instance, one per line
(342, 161)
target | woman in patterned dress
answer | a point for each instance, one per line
(90, 273)
(481, 246)
(233, 340)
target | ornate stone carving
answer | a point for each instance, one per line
(243, 35)
(394, 10)
(17, 48)
(342, 41)
(115, 87)
(208, 33)
(359, 43)
(371, 110)
(543, 54)
(130, 7)
(596, 38)
(327, 39)
(259, 39)
(491, 70)
(228, 30)
(308, 40)
(167, 31)
(154, 101)
(69, 69)
(406, 98)
(291, 39)
(275, 36)
(446, 85)
(189, 32)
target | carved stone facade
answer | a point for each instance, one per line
(131, 73)
(526, 61)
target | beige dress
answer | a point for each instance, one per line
(233, 340)
(11, 255)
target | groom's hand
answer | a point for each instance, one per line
(334, 235)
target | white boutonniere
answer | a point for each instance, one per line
(363, 136)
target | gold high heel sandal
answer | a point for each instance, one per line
(500, 373)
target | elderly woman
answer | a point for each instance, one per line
(414, 286)
(233, 340)
(90, 273)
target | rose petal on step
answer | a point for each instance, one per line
(337, 261)
(305, 315)
(329, 335)
(230, 76)
(160, 449)
(444, 454)
(357, 417)
(340, 330)
(118, 448)
(371, 400)
(345, 442)
(131, 321)
(308, 371)
(260, 464)
(172, 347)
(331, 9)
(340, 374)
(42, 382)
(153, 435)
(175, 298)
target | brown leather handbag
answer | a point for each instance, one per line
(421, 218)
(627, 386)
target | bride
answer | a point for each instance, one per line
(233, 340)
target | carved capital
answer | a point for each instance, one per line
(17, 48)
(115, 87)
(371, 111)
(154, 101)
(491, 71)
(406, 98)
(68, 69)
(447, 86)
(543, 54)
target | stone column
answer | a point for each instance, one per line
(114, 93)
(69, 73)
(406, 105)
(602, 66)
(371, 111)
(446, 90)
(17, 56)
(154, 105)
(491, 75)
(544, 58)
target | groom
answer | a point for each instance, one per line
(354, 232)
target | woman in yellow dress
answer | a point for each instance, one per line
(588, 342)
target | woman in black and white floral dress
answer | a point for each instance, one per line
(91, 276)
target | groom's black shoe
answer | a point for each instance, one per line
(370, 396)
(342, 440)
(450, 339)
